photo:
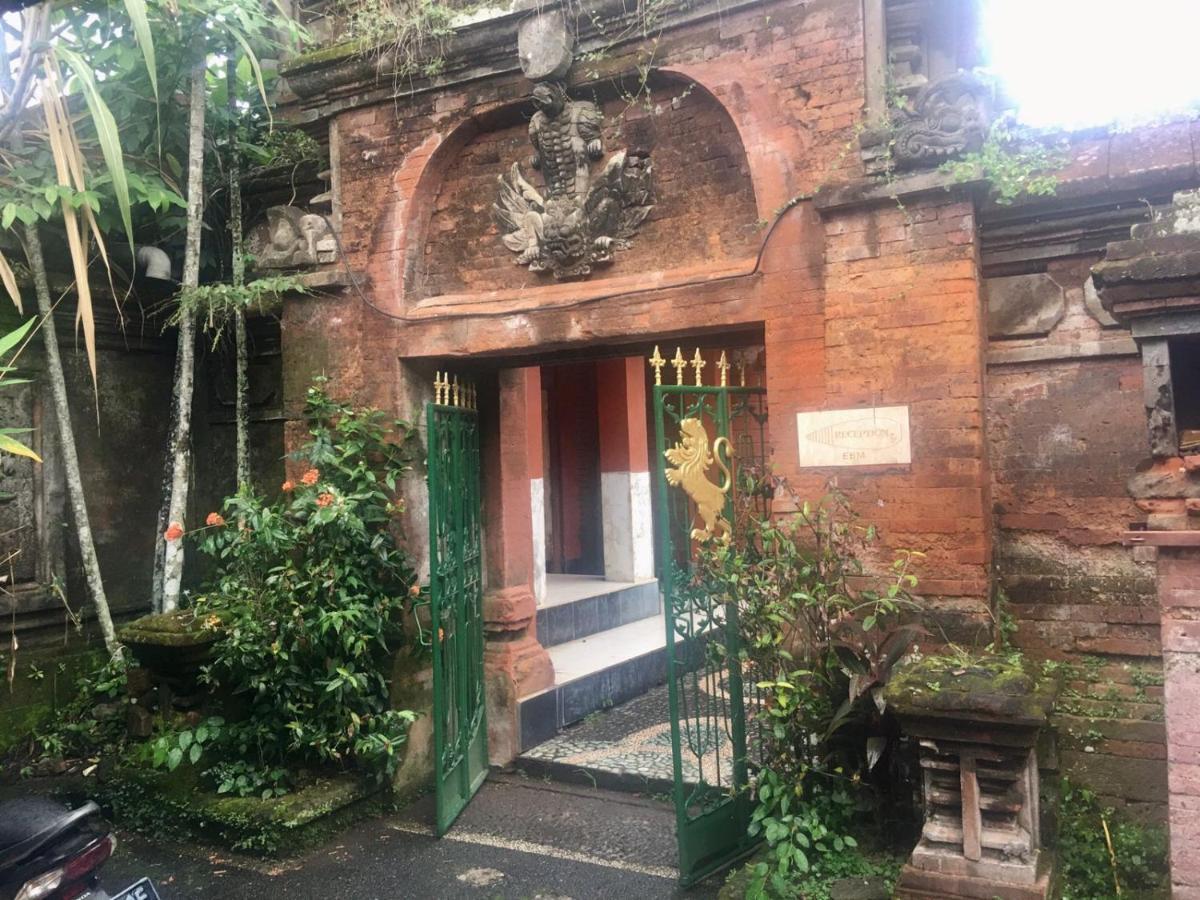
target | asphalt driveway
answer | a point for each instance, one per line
(519, 838)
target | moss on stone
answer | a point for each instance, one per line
(324, 55)
(177, 803)
(29, 702)
(174, 629)
(972, 686)
(16, 725)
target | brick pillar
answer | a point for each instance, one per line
(1179, 602)
(514, 663)
(624, 469)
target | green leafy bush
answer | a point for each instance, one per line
(820, 636)
(309, 601)
(804, 822)
(1091, 867)
(821, 633)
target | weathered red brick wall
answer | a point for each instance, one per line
(1018, 462)
(901, 325)
(1065, 433)
(860, 306)
(394, 156)
(1179, 598)
(704, 209)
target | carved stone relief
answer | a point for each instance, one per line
(948, 118)
(290, 238)
(579, 218)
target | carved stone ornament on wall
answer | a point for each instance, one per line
(291, 238)
(579, 218)
(946, 119)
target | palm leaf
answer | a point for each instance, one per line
(10, 282)
(107, 133)
(256, 68)
(75, 163)
(15, 447)
(136, 10)
(59, 135)
(10, 340)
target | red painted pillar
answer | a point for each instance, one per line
(515, 664)
(624, 469)
(534, 447)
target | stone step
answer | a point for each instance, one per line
(582, 607)
(594, 673)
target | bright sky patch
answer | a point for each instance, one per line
(1078, 63)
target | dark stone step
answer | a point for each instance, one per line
(565, 622)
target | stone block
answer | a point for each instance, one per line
(139, 722)
(1024, 305)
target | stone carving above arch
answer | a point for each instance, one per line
(579, 218)
(704, 212)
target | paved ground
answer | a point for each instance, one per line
(629, 746)
(519, 838)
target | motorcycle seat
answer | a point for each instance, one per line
(28, 825)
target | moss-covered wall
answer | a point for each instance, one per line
(44, 680)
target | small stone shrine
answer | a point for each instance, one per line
(977, 724)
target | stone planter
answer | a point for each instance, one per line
(170, 649)
(977, 724)
(172, 645)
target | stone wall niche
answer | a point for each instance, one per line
(977, 725)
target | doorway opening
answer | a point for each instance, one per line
(574, 520)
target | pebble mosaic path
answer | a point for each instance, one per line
(634, 740)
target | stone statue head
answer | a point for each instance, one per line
(549, 97)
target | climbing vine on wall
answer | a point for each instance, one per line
(1015, 160)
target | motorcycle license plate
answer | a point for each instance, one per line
(139, 890)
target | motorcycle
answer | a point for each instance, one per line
(49, 852)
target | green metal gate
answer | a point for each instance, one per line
(706, 437)
(456, 598)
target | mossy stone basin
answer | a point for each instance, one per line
(173, 644)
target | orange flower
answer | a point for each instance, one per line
(174, 532)
(289, 486)
(214, 519)
(414, 591)
(324, 499)
(310, 477)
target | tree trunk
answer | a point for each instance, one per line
(180, 450)
(66, 440)
(241, 408)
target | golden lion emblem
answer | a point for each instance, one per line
(692, 460)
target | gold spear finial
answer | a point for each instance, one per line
(454, 389)
(656, 363)
(742, 372)
(680, 364)
(723, 365)
(437, 388)
(698, 364)
(471, 395)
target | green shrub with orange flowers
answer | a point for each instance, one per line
(310, 596)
